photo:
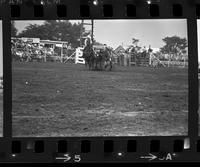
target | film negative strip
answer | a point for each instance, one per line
(99, 81)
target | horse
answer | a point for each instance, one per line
(103, 58)
(107, 59)
(94, 58)
(88, 55)
(108, 63)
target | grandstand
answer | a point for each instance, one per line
(29, 49)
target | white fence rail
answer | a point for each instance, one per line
(78, 56)
(175, 63)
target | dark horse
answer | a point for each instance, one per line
(93, 58)
(97, 60)
(88, 55)
(104, 59)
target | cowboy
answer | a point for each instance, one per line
(88, 53)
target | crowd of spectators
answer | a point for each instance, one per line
(26, 51)
(29, 51)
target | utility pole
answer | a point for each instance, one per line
(82, 31)
(92, 35)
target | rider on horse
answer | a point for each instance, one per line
(88, 52)
(96, 58)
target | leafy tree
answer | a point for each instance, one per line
(135, 41)
(62, 30)
(134, 48)
(174, 46)
(97, 43)
(13, 29)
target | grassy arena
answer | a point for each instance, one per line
(54, 99)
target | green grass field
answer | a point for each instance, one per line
(54, 99)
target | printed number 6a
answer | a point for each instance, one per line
(77, 158)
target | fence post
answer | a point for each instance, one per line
(169, 59)
(45, 56)
(61, 54)
(150, 57)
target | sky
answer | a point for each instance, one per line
(118, 32)
(20, 25)
(1, 50)
(149, 32)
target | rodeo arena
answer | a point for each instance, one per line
(96, 90)
(94, 56)
(34, 49)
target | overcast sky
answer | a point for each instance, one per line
(1, 50)
(116, 32)
(149, 32)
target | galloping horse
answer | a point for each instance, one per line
(88, 55)
(94, 58)
(105, 59)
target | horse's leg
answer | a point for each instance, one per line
(110, 65)
(89, 64)
(100, 64)
(106, 65)
(86, 63)
(96, 64)
(92, 63)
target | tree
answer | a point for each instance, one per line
(174, 47)
(134, 48)
(59, 30)
(97, 43)
(13, 29)
(135, 41)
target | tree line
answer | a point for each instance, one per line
(51, 30)
(64, 30)
(174, 46)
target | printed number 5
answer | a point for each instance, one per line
(77, 158)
